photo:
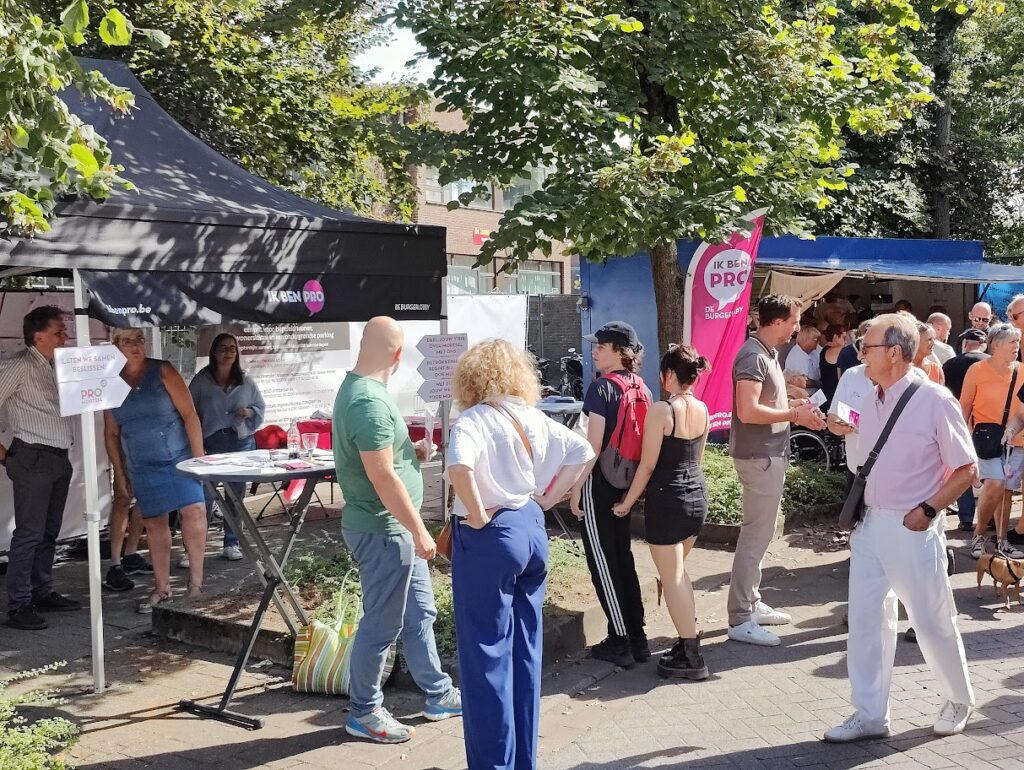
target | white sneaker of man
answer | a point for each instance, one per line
(183, 562)
(751, 633)
(231, 552)
(978, 546)
(767, 616)
(855, 729)
(952, 719)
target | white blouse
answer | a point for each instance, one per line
(484, 440)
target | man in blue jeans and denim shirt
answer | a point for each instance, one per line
(379, 473)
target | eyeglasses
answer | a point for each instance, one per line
(982, 320)
(864, 348)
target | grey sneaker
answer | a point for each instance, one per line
(1010, 551)
(379, 726)
(447, 706)
(978, 546)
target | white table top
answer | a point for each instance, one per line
(257, 465)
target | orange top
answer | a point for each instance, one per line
(934, 371)
(984, 395)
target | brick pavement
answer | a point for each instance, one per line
(762, 708)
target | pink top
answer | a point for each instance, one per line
(929, 441)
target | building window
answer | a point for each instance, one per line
(530, 182)
(535, 276)
(465, 278)
(435, 192)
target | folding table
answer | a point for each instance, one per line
(244, 468)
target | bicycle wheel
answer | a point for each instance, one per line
(808, 447)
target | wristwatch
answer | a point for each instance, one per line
(930, 512)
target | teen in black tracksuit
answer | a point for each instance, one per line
(606, 537)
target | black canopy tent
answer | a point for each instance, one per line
(203, 241)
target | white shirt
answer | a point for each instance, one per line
(808, 364)
(853, 390)
(28, 394)
(484, 440)
(941, 352)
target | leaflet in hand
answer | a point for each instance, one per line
(817, 398)
(847, 414)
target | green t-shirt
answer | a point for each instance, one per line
(366, 419)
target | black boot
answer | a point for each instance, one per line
(684, 661)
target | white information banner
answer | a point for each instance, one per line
(440, 355)
(89, 378)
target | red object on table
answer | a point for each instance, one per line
(418, 429)
(321, 427)
(271, 437)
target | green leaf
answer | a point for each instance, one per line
(115, 29)
(962, 9)
(19, 136)
(74, 20)
(85, 161)
(155, 39)
(740, 193)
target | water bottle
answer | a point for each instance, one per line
(293, 441)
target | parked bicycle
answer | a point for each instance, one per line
(570, 368)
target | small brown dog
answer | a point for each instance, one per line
(1006, 575)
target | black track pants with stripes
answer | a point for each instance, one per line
(606, 541)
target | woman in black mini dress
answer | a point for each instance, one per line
(675, 433)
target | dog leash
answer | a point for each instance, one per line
(1009, 568)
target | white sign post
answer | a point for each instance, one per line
(440, 354)
(89, 378)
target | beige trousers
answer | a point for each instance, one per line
(763, 479)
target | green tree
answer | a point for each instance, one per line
(661, 119)
(45, 151)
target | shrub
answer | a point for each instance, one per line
(34, 745)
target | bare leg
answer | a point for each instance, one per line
(159, 536)
(118, 524)
(1003, 521)
(670, 561)
(193, 534)
(989, 502)
(135, 527)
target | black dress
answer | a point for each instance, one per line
(829, 380)
(677, 495)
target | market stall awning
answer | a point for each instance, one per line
(203, 241)
(889, 259)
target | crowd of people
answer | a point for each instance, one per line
(959, 417)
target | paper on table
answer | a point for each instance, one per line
(818, 398)
(204, 469)
(846, 414)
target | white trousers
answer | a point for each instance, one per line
(888, 563)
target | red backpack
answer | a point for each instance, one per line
(620, 459)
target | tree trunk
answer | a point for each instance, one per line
(669, 283)
(946, 26)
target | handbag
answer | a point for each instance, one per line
(853, 507)
(443, 541)
(988, 436)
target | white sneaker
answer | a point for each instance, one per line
(952, 719)
(855, 729)
(764, 615)
(1009, 550)
(978, 546)
(751, 633)
(231, 552)
(183, 562)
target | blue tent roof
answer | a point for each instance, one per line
(953, 261)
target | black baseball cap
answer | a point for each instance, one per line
(977, 335)
(618, 333)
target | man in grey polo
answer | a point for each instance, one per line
(759, 445)
(38, 467)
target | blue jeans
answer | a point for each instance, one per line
(499, 574)
(398, 600)
(216, 443)
(965, 507)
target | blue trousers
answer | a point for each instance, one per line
(965, 507)
(398, 600)
(216, 443)
(499, 575)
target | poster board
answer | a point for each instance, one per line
(13, 307)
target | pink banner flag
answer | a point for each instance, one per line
(715, 310)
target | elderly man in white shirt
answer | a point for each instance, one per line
(942, 351)
(898, 551)
(805, 357)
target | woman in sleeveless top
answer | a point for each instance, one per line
(835, 340)
(677, 502)
(147, 436)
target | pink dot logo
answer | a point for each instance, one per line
(313, 296)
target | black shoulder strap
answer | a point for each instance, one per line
(865, 469)
(673, 410)
(1009, 396)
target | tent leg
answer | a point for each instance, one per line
(92, 512)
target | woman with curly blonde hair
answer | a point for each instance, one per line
(507, 461)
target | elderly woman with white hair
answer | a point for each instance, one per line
(147, 436)
(988, 402)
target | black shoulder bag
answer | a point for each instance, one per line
(988, 436)
(853, 508)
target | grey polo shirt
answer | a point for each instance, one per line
(758, 363)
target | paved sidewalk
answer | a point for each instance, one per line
(762, 708)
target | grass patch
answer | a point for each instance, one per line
(38, 745)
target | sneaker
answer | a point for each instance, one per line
(26, 618)
(764, 615)
(133, 564)
(751, 633)
(231, 553)
(614, 650)
(952, 719)
(1010, 551)
(978, 546)
(183, 562)
(379, 726)
(1015, 537)
(855, 729)
(639, 649)
(117, 580)
(55, 603)
(448, 706)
